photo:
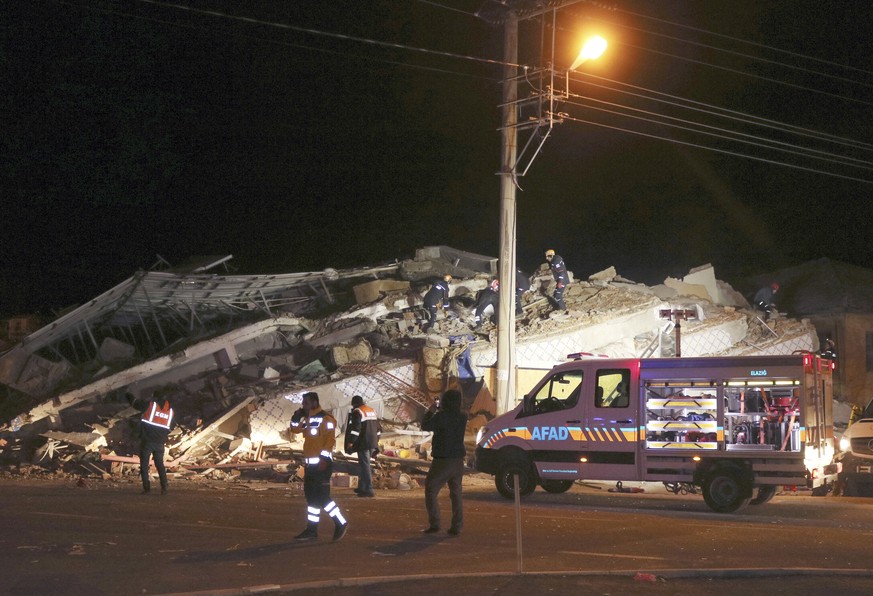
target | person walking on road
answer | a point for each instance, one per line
(559, 272)
(154, 427)
(448, 425)
(362, 437)
(319, 440)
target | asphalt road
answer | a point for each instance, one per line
(228, 538)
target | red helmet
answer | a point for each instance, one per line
(775, 285)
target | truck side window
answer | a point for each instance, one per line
(560, 392)
(612, 389)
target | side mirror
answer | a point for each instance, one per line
(526, 404)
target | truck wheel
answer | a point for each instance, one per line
(556, 486)
(506, 484)
(722, 491)
(765, 493)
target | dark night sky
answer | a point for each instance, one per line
(133, 128)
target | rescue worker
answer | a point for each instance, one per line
(487, 297)
(448, 424)
(319, 439)
(559, 272)
(828, 349)
(522, 285)
(154, 427)
(764, 298)
(362, 437)
(437, 295)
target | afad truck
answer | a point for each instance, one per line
(736, 427)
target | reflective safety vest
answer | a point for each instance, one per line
(161, 417)
(319, 438)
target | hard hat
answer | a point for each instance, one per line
(495, 285)
(550, 253)
(775, 286)
(447, 277)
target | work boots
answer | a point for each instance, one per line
(310, 533)
(340, 531)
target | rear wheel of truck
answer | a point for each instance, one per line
(723, 491)
(765, 493)
(556, 486)
(504, 479)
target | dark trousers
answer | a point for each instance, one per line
(443, 471)
(365, 473)
(156, 451)
(559, 297)
(432, 313)
(483, 304)
(316, 486)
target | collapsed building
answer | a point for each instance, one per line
(240, 350)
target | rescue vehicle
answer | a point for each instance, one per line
(735, 427)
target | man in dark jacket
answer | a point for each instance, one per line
(559, 272)
(362, 437)
(448, 425)
(154, 426)
(437, 295)
(487, 297)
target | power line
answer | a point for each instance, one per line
(716, 150)
(806, 152)
(317, 32)
(740, 54)
(745, 41)
(726, 113)
(754, 76)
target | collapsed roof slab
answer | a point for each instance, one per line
(155, 310)
(202, 357)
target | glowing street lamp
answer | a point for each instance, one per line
(592, 50)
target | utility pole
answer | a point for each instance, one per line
(509, 12)
(506, 292)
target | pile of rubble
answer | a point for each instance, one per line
(237, 383)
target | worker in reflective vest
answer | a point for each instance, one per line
(319, 439)
(362, 437)
(155, 425)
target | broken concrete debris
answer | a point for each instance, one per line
(254, 344)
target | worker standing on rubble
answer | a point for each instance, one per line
(764, 298)
(437, 295)
(154, 427)
(559, 272)
(487, 297)
(362, 437)
(319, 440)
(448, 425)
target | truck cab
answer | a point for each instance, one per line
(737, 427)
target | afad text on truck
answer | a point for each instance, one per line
(735, 428)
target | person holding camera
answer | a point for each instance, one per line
(319, 440)
(448, 425)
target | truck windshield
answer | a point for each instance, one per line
(560, 392)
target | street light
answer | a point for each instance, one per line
(592, 50)
(505, 381)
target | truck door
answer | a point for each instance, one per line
(611, 416)
(553, 419)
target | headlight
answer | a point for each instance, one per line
(480, 434)
(845, 444)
